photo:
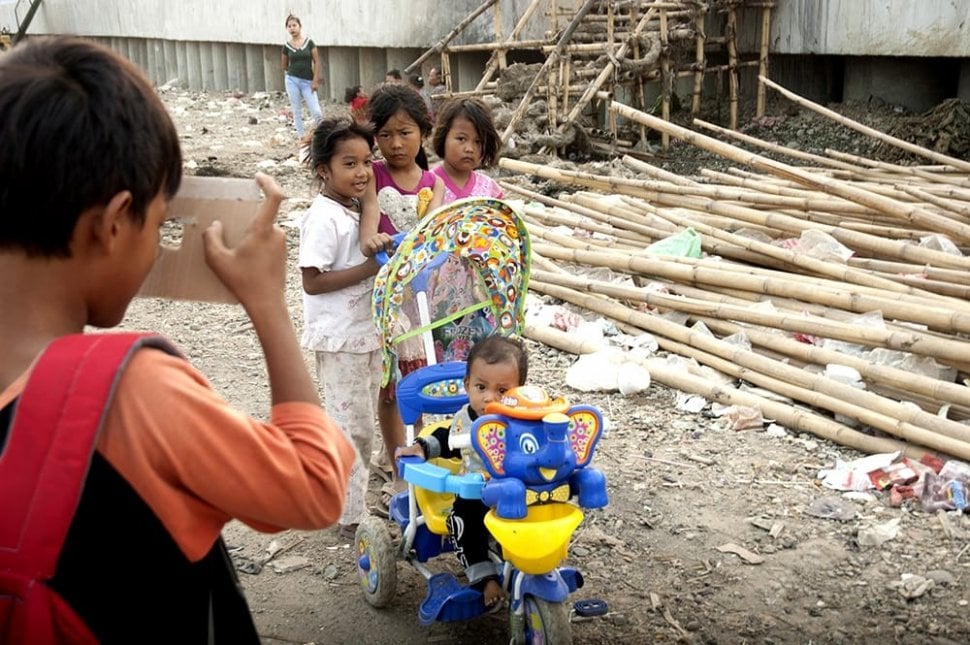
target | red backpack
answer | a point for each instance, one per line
(43, 468)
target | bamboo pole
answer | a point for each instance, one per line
(701, 60)
(911, 214)
(732, 48)
(497, 22)
(441, 44)
(881, 136)
(665, 80)
(543, 71)
(763, 58)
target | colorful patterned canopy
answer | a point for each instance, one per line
(473, 255)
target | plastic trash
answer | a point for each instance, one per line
(686, 244)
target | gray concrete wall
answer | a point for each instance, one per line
(872, 27)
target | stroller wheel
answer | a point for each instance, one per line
(376, 562)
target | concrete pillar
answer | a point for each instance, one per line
(326, 91)
(272, 70)
(170, 61)
(915, 83)
(401, 57)
(193, 65)
(342, 71)
(220, 67)
(151, 60)
(255, 79)
(963, 85)
(467, 69)
(236, 66)
(371, 71)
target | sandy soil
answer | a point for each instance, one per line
(680, 488)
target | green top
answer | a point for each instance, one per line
(300, 60)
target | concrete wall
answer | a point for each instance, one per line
(223, 44)
(935, 28)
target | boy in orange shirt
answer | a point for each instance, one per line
(89, 162)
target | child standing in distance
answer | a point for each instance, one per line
(495, 365)
(89, 163)
(466, 139)
(337, 286)
(401, 122)
(301, 67)
(356, 99)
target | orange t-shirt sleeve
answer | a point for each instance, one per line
(198, 462)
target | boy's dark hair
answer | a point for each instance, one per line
(499, 349)
(480, 115)
(79, 124)
(393, 73)
(416, 81)
(351, 93)
(330, 132)
(389, 99)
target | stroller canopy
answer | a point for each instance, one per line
(470, 259)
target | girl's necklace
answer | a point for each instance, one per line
(352, 203)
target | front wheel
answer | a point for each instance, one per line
(546, 623)
(376, 562)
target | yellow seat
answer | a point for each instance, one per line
(435, 507)
(538, 542)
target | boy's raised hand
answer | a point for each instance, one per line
(255, 269)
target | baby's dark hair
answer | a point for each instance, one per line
(79, 124)
(499, 349)
(351, 93)
(480, 115)
(329, 133)
(389, 99)
(416, 80)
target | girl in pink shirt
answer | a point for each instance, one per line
(466, 139)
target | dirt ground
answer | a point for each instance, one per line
(680, 486)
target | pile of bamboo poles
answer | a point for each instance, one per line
(778, 295)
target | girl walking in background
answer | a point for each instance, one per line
(301, 67)
(337, 286)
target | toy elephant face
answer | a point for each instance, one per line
(538, 452)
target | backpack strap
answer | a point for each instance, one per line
(51, 441)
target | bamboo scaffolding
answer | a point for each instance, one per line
(544, 70)
(763, 59)
(732, 49)
(492, 64)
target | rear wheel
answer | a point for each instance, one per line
(546, 623)
(376, 562)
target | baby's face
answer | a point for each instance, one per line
(489, 382)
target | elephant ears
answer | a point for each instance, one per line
(585, 428)
(488, 438)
